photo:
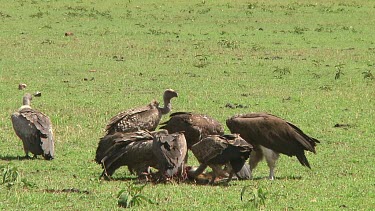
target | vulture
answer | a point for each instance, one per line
(271, 135)
(142, 118)
(194, 126)
(141, 150)
(216, 151)
(34, 129)
(170, 151)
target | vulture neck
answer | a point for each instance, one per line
(26, 102)
(167, 106)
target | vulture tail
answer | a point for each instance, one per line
(303, 160)
(308, 142)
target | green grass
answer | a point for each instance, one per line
(280, 57)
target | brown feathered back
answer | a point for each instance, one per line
(34, 129)
(215, 151)
(142, 118)
(274, 133)
(194, 126)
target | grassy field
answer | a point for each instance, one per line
(310, 63)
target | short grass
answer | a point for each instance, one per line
(311, 63)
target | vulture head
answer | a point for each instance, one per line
(168, 95)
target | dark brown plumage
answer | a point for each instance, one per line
(142, 118)
(141, 150)
(133, 149)
(194, 126)
(271, 135)
(215, 151)
(34, 129)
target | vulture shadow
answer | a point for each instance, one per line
(234, 180)
(205, 182)
(121, 179)
(11, 157)
(278, 178)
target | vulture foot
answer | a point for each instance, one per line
(105, 176)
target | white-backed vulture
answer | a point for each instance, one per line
(34, 129)
(216, 151)
(170, 151)
(194, 126)
(271, 135)
(142, 118)
(141, 150)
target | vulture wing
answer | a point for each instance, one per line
(208, 148)
(131, 149)
(214, 147)
(194, 126)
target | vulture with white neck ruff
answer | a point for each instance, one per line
(142, 118)
(271, 135)
(34, 129)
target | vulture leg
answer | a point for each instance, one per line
(181, 173)
(230, 177)
(255, 157)
(231, 173)
(271, 158)
(105, 175)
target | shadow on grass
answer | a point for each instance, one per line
(67, 190)
(11, 157)
(222, 182)
(123, 178)
(279, 178)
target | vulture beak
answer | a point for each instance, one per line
(175, 93)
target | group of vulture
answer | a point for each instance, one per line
(132, 140)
